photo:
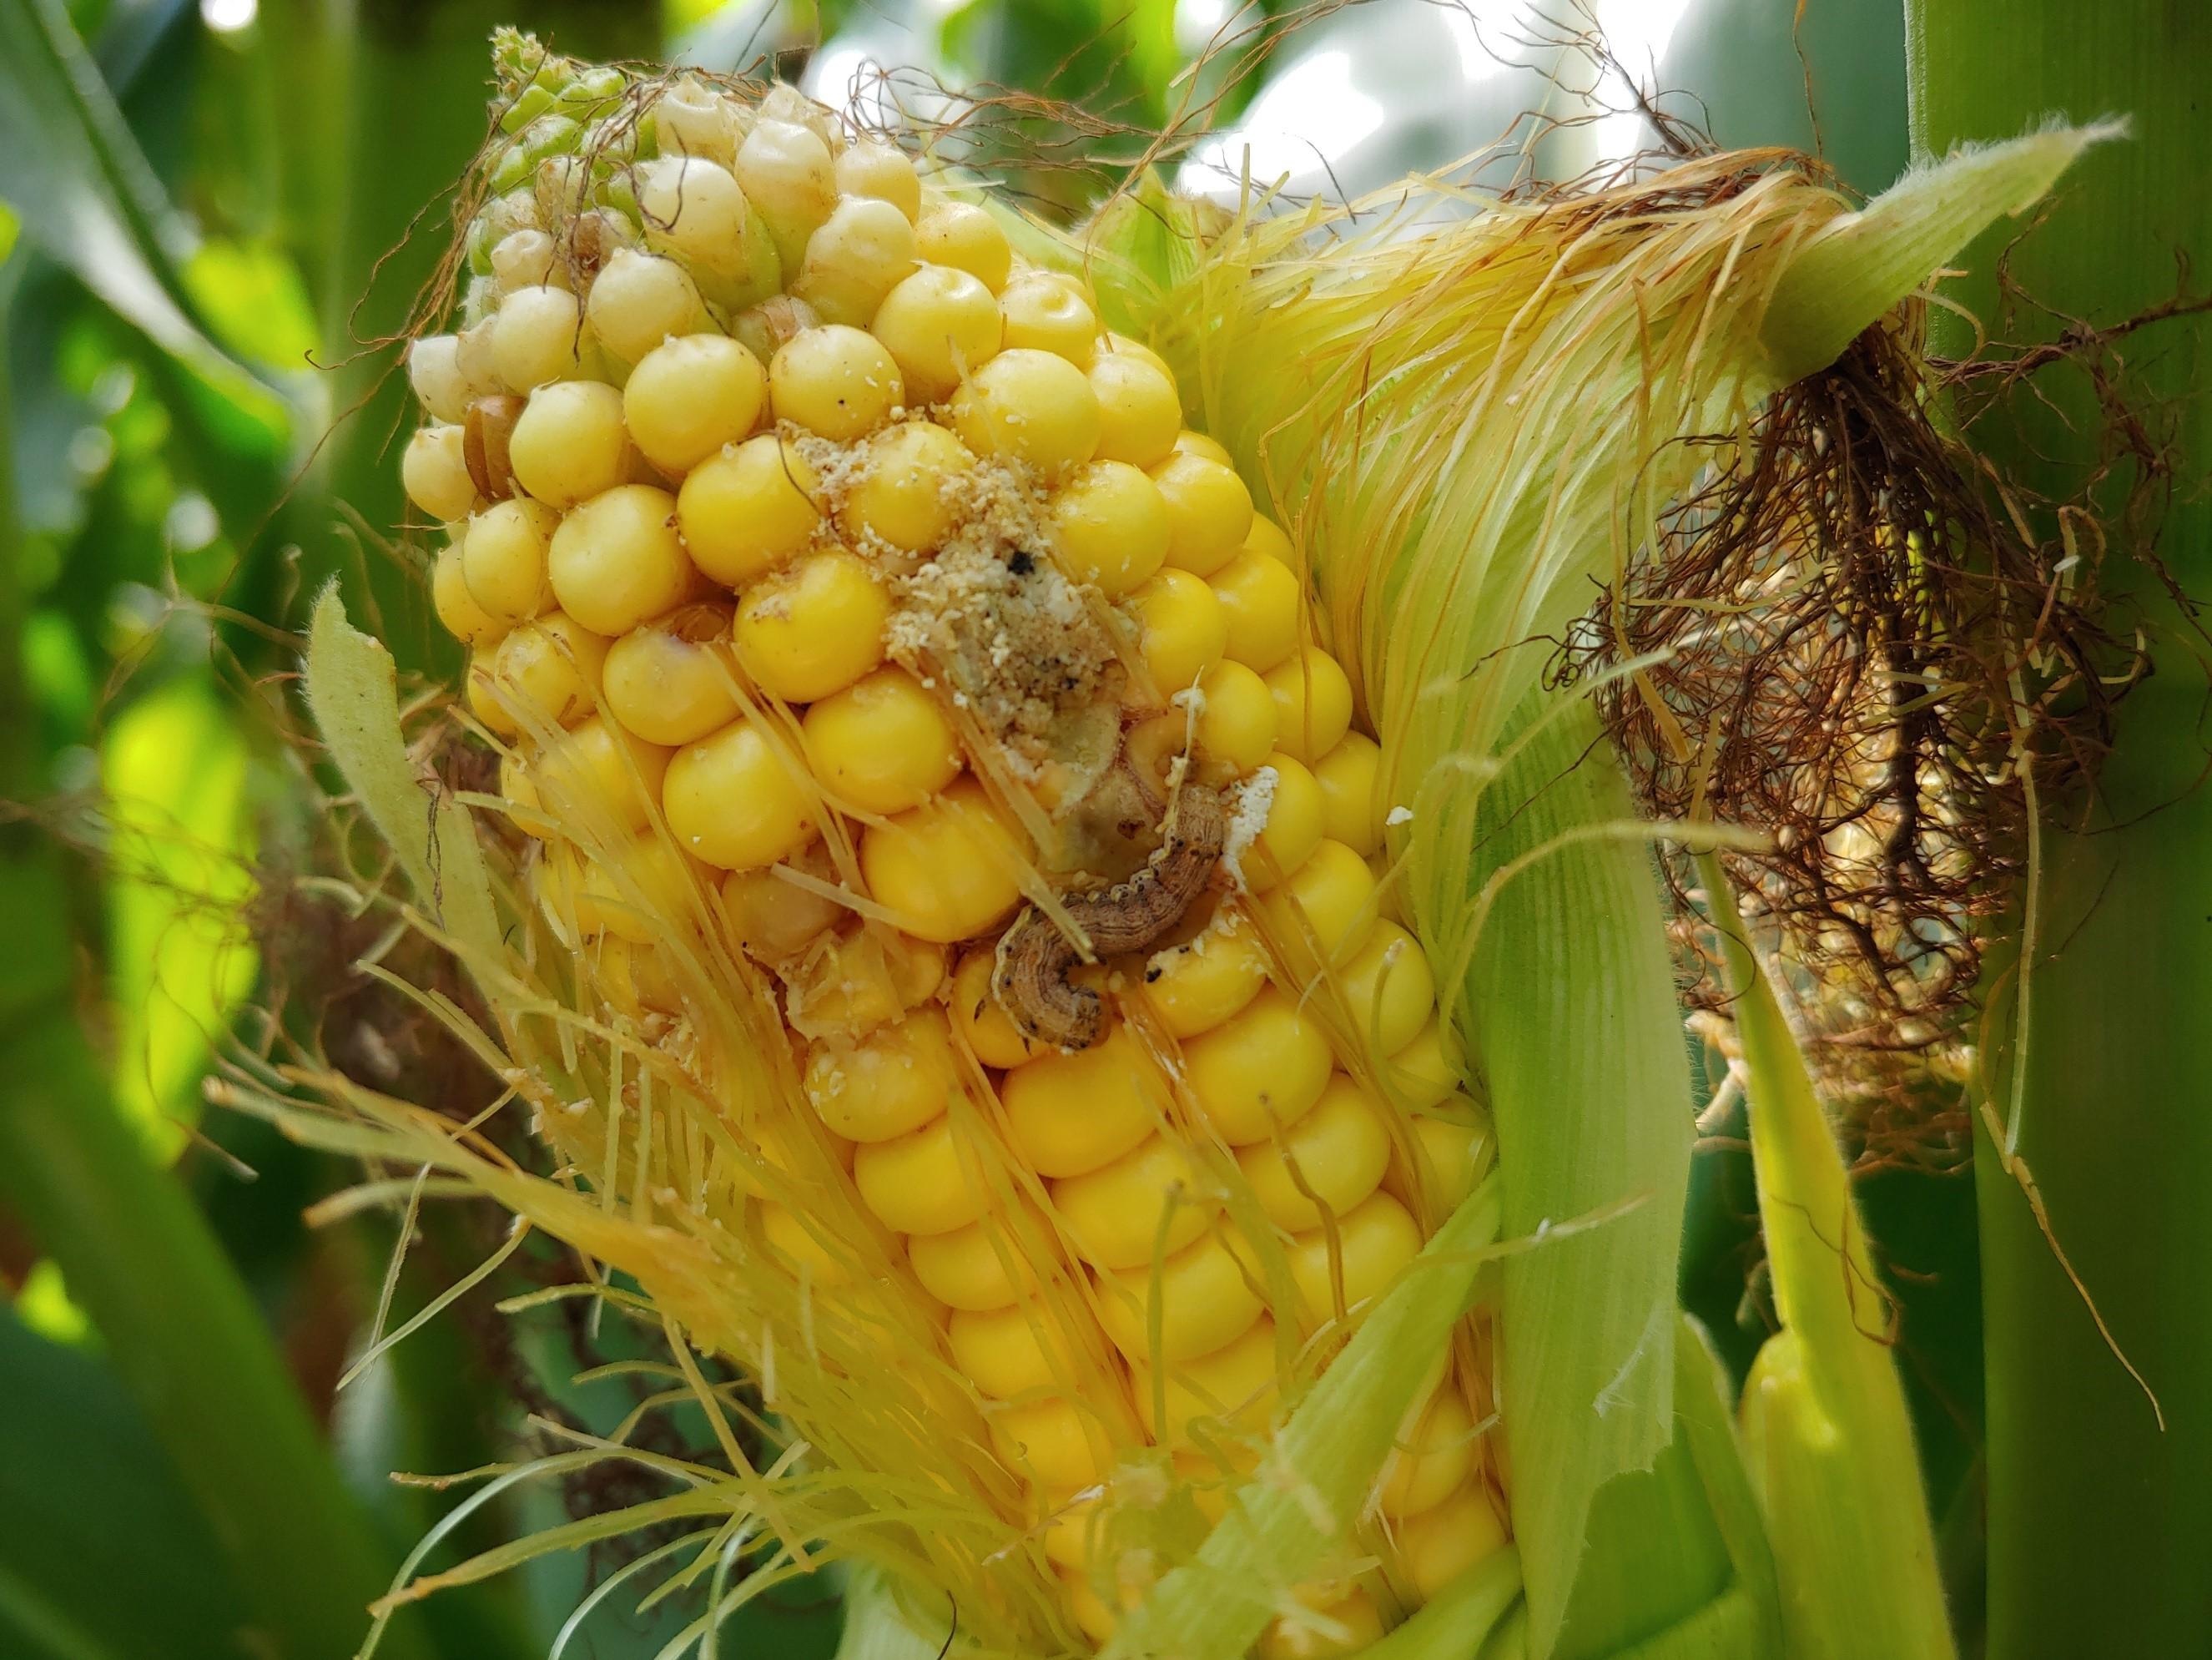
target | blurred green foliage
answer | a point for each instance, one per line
(208, 220)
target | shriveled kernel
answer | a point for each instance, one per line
(640, 299)
(1293, 828)
(648, 883)
(947, 868)
(1349, 776)
(1208, 509)
(900, 497)
(882, 744)
(525, 258)
(1204, 1297)
(1313, 703)
(765, 329)
(746, 511)
(569, 442)
(549, 671)
(536, 337)
(941, 325)
(976, 1016)
(1332, 1159)
(813, 628)
(1262, 602)
(597, 775)
(924, 1181)
(872, 167)
(672, 680)
(1195, 986)
(436, 474)
(896, 1079)
(503, 559)
(1155, 1196)
(463, 617)
(1139, 413)
(1259, 1072)
(1068, 1113)
(1435, 1455)
(1389, 989)
(693, 117)
(1031, 407)
(1043, 313)
(861, 252)
(1180, 629)
(1108, 526)
(689, 397)
(733, 801)
(836, 380)
(1372, 1244)
(967, 238)
(1237, 719)
(775, 919)
(788, 174)
(616, 561)
(433, 370)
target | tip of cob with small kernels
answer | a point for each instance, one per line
(852, 610)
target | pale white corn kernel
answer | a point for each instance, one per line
(434, 369)
(526, 259)
(785, 103)
(640, 299)
(859, 255)
(694, 118)
(534, 338)
(872, 167)
(787, 172)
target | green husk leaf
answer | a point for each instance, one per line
(1302, 1502)
(1825, 1417)
(353, 691)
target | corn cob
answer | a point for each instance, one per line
(843, 596)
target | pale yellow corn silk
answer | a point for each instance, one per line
(801, 451)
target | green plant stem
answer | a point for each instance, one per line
(2099, 1090)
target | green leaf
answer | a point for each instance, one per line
(1824, 1420)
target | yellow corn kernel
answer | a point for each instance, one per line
(599, 773)
(1324, 912)
(1234, 1386)
(1181, 631)
(1193, 986)
(1030, 407)
(966, 238)
(648, 880)
(503, 559)
(1266, 538)
(690, 397)
(732, 800)
(1435, 1456)
(1155, 1196)
(1389, 989)
(946, 869)
(812, 628)
(1209, 508)
(1139, 413)
(747, 510)
(535, 336)
(861, 252)
(790, 1235)
(1236, 718)
(872, 167)
(1445, 1149)
(456, 608)
(1262, 600)
(569, 443)
(1044, 313)
(1204, 1295)
(1329, 1161)
(639, 300)
(897, 1079)
(1069, 1114)
(968, 1267)
(616, 561)
(900, 497)
(1057, 1442)
(633, 978)
(548, 670)
(921, 1182)
(1259, 1072)
(1012, 1351)
(1346, 1626)
(1349, 778)
(978, 1018)
(882, 744)
(1374, 1241)
(1441, 1544)
(480, 687)
(940, 326)
(1293, 828)
(1108, 526)
(1313, 703)
(1197, 443)
(775, 919)
(1423, 1072)
(671, 681)
(836, 380)
(435, 476)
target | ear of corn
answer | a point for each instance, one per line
(948, 942)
